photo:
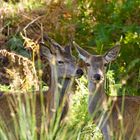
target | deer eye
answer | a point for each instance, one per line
(87, 64)
(60, 62)
(105, 64)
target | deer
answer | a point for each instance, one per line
(63, 70)
(117, 116)
(67, 70)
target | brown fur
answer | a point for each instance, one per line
(116, 115)
(128, 115)
(10, 106)
(62, 67)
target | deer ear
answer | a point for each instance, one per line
(112, 53)
(45, 51)
(68, 49)
(54, 45)
(84, 55)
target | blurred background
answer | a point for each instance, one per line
(95, 25)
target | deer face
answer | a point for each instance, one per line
(95, 68)
(95, 64)
(61, 59)
(66, 64)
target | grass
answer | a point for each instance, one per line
(76, 126)
(63, 20)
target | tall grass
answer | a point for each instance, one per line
(24, 122)
(78, 125)
(93, 24)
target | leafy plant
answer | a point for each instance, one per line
(15, 43)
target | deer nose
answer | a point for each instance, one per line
(97, 77)
(79, 72)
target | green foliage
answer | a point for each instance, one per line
(112, 88)
(79, 116)
(15, 43)
(102, 23)
(96, 26)
(78, 126)
(79, 104)
(4, 88)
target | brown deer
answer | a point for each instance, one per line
(63, 70)
(118, 116)
(66, 69)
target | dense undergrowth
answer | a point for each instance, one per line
(94, 25)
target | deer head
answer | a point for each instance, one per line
(63, 69)
(62, 59)
(95, 66)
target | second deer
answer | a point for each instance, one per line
(63, 70)
(120, 118)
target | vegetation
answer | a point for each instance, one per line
(96, 26)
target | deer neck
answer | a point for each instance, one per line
(58, 86)
(65, 87)
(97, 96)
(53, 80)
